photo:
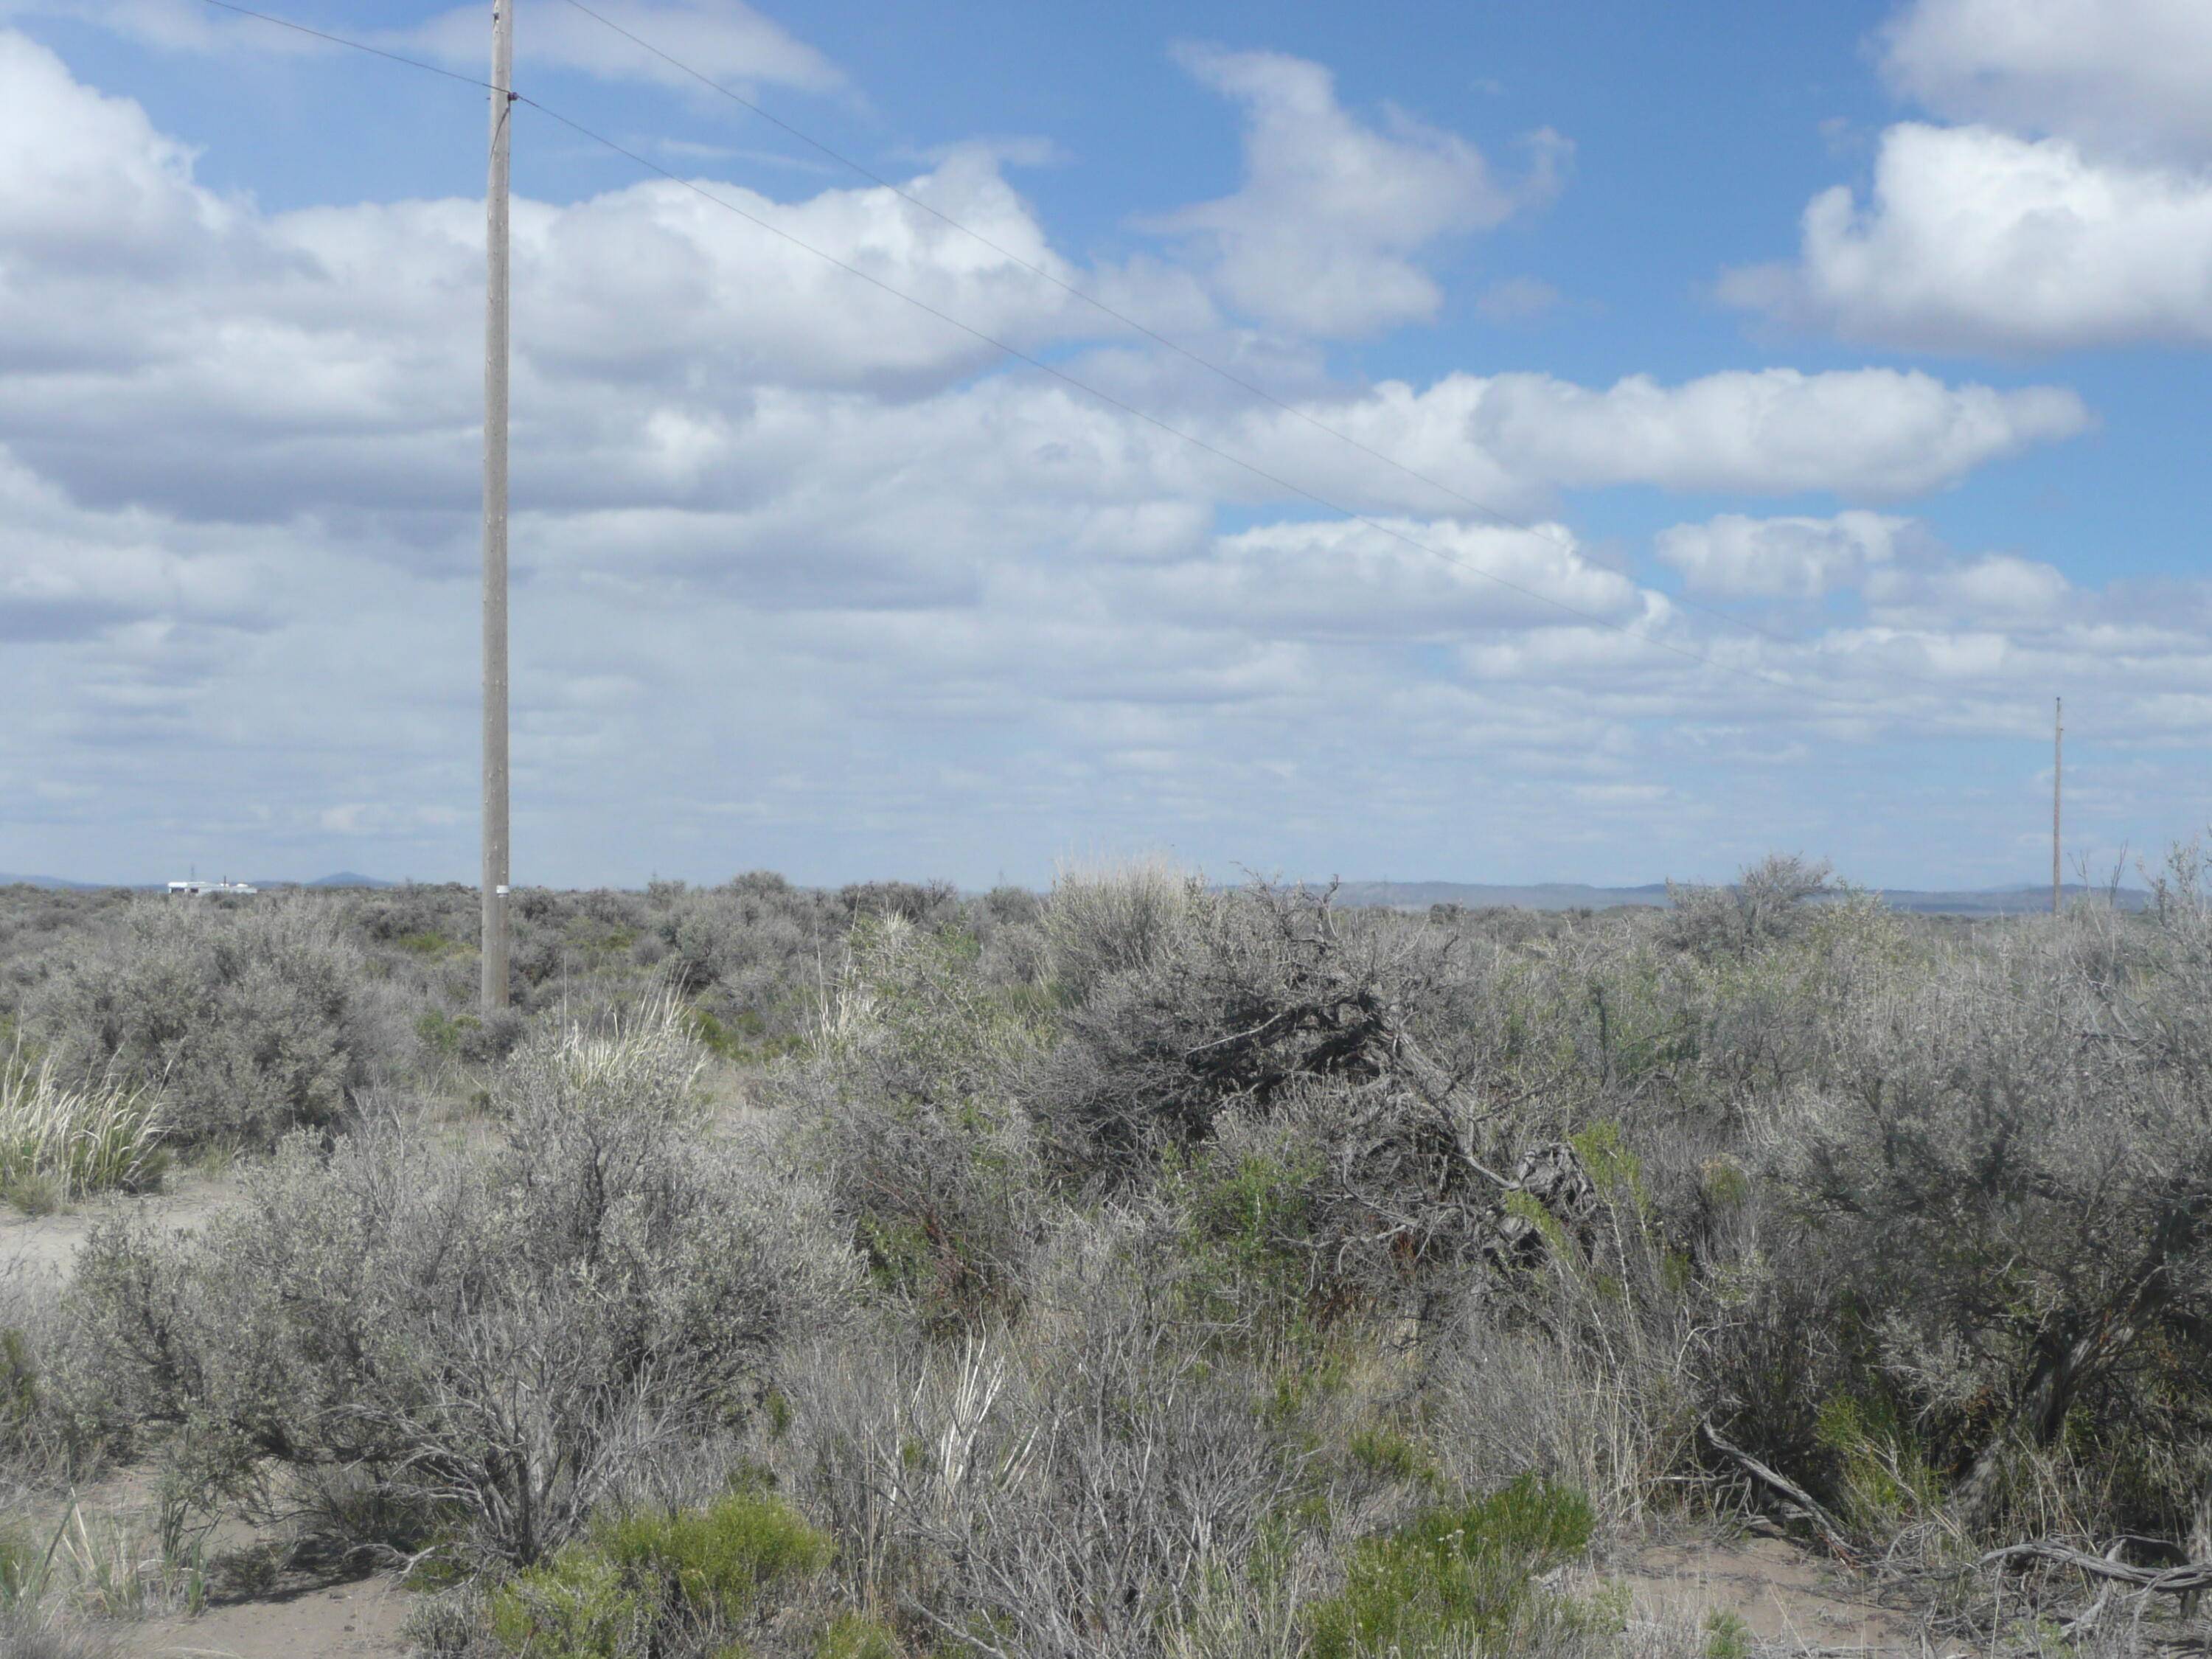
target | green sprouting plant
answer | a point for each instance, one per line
(1247, 1233)
(1882, 1472)
(19, 1379)
(1388, 1454)
(856, 1636)
(1726, 1635)
(639, 1577)
(61, 1141)
(1455, 1576)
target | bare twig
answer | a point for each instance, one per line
(1802, 1504)
(2173, 1581)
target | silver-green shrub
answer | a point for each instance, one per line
(473, 1346)
(253, 1020)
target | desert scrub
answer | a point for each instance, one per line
(906, 1104)
(479, 1344)
(61, 1141)
(1455, 1578)
(253, 1021)
(642, 1583)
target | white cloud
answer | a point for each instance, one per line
(65, 573)
(1780, 558)
(2121, 74)
(1324, 234)
(2073, 208)
(726, 40)
(799, 574)
(88, 180)
(1401, 579)
(1995, 591)
(1902, 572)
(1868, 433)
(1974, 238)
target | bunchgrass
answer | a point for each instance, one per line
(61, 1141)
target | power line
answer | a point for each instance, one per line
(357, 46)
(1288, 486)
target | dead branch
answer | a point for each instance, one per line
(1799, 1504)
(2173, 1581)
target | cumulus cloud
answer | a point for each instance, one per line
(66, 573)
(1868, 433)
(2119, 74)
(802, 575)
(1325, 233)
(1896, 566)
(2073, 207)
(1736, 556)
(1974, 238)
(727, 41)
(1404, 579)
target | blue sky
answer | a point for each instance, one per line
(1847, 359)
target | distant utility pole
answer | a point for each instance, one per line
(2058, 768)
(494, 515)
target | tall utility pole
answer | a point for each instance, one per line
(2057, 767)
(494, 515)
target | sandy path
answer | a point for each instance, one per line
(1780, 1593)
(36, 1251)
(354, 1621)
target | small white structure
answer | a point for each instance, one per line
(197, 889)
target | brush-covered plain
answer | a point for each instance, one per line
(1144, 1267)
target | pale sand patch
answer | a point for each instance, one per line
(37, 1251)
(351, 1621)
(1783, 1594)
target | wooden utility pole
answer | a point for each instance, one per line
(494, 515)
(2058, 768)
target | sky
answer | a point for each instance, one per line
(1583, 442)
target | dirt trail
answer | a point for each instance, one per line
(36, 1251)
(352, 1621)
(1781, 1594)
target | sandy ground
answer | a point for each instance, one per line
(1783, 1596)
(352, 1619)
(1787, 1600)
(36, 1251)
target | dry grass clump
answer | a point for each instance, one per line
(1107, 918)
(63, 1140)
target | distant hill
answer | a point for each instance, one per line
(1544, 895)
(1573, 895)
(343, 878)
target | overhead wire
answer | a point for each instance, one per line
(1289, 486)
(357, 46)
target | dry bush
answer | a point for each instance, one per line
(1069, 1484)
(1767, 903)
(2015, 1166)
(1109, 919)
(252, 1020)
(904, 1106)
(425, 1337)
(28, 1633)
(1248, 997)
